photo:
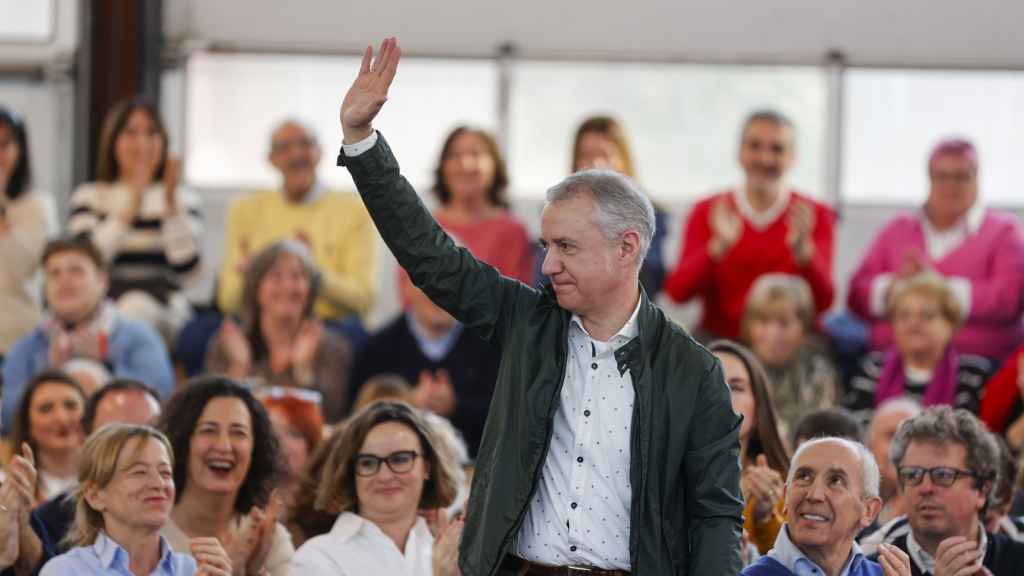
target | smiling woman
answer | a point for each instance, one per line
(227, 461)
(123, 500)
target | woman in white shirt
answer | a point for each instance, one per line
(387, 479)
(26, 218)
(123, 500)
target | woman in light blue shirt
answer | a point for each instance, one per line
(123, 499)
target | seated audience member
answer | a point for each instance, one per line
(831, 495)
(146, 225)
(334, 226)
(923, 363)
(299, 427)
(48, 423)
(301, 517)
(601, 143)
(123, 500)
(120, 401)
(828, 422)
(387, 482)
(226, 464)
(762, 454)
(997, 515)
(25, 219)
(383, 387)
(280, 342)
(947, 464)
(469, 184)
(979, 250)
(1002, 409)
(886, 420)
(455, 371)
(778, 326)
(737, 235)
(83, 328)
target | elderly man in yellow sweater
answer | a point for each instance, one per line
(335, 226)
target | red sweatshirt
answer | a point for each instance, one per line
(723, 285)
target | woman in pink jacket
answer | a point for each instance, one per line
(980, 252)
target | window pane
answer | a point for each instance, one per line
(234, 101)
(894, 117)
(683, 121)
(26, 21)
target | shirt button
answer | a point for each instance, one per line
(573, 505)
(572, 548)
(594, 366)
(579, 459)
(586, 413)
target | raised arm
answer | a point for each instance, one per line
(471, 291)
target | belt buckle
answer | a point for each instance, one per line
(573, 570)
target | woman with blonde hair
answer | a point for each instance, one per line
(123, 499)
(385, 472)
(922, 363)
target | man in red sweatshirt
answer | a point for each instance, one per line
(762, 226)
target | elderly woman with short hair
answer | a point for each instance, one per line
(778, 326)
(123, 500)
(923, 363)
(385, 472)
(280, 342)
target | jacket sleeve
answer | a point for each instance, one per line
(471, 291)
(693, 273)
(996, 298)
(873, 265)
(712, 463)
(18, 367)
(818, 272)
(1000, 395)
(144, 357)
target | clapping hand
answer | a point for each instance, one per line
(17, 496)
(250, 547)
(369, 92)
(764, 485)
(800, 226)
(958, 556)
(434, 392)
(894, 561)
(447, 534)
(172, 175)
(211, 558)
(726, 229)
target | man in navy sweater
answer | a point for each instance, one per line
(831, 495)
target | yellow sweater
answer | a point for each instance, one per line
(343, 242)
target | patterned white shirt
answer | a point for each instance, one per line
(579, 513)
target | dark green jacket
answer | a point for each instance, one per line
(686, 506)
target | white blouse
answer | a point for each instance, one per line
(357, 547)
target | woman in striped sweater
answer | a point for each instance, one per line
(147, 226)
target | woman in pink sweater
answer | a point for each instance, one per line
(979, 251)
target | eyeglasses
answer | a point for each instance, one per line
(941, 475)
(399, 462)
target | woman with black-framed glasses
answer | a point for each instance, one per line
(387, 478)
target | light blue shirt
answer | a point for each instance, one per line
(786, 553)
(434, 350)
(108, 557)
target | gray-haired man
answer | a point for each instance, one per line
(611, 445)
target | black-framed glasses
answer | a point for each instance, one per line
(941, 475)
(398, 462)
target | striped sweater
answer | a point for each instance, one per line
(157, 253)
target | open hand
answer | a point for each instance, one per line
(726, 228)
(764, 485)
(447, 533)
(958, 556)
(800, 226)
(434, 392)
(894, 561)
(368, 93)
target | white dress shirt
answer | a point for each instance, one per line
(357, 547)
(579, 513)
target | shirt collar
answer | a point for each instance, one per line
(108, 551)
(924, 561)
(969, 224)
(434, 349)
(760, 219)
(349, 524)
(786, 553)
(314, 193)
(629, 330)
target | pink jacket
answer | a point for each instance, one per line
(992, 260)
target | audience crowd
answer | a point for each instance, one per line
(269, 433)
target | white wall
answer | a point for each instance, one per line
(982, 32)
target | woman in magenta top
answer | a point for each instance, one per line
(470, 183)
(978, 250)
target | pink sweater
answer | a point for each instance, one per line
(992, 260)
